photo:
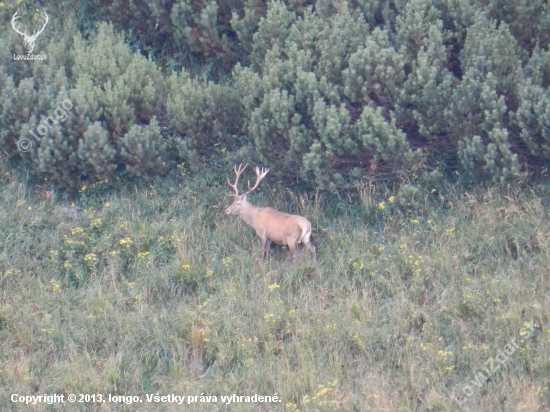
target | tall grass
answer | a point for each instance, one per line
(149, 287)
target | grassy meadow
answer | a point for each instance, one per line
(147, 287)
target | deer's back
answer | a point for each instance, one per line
(279, 226)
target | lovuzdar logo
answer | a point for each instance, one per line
(29, 39)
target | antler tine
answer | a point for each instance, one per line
(238, 172)
(260, 174)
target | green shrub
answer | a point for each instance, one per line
(533, 118)
(89, 109)
(331, 94)
(309, 106)
(427, 92)
(205, 116)
(478, 115)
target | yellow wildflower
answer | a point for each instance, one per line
(273, 287)
(357, 265)
(125, 241)
(90, 257)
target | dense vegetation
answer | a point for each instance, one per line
(150, 289)
(329, 93)
(413, 134)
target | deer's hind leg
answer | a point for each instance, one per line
(311, 247)
(309, 244)
(293, 249)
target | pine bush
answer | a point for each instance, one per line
(86, 114)
(205, 116)
(329, 93)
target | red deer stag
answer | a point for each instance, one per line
(270, 224)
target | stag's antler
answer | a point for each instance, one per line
(238, 173)
(260, 174)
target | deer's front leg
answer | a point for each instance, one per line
(266, 244)
(266, 247)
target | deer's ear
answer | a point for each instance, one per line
(244, 197)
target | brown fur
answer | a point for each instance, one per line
(270, 224)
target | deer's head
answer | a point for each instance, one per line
(240, 203)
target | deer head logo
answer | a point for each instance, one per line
(29, 40)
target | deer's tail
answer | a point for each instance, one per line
(306, 233)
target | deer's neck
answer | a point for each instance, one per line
(249, 212)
